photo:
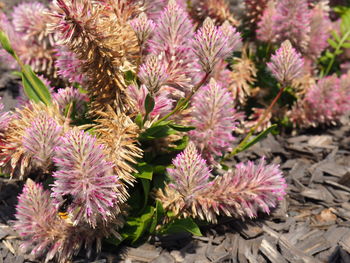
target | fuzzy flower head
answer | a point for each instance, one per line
(143, 28)
(171, 43)
(292, 22)
(212, 44)
(14, 158)
(69, 66)
(40, 140)
(243, 192)
(31, 19)
(191, 173)
(84, 173)
(265, 29)
(47, 236)
(287, 64)
(38, 224)
(64, 97)
(324, 103)
(215, 118)
(163, 104)
(320, 28)
(153, 74)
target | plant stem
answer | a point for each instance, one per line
(252, 130)
(180, 105)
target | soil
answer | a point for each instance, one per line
(312, 224)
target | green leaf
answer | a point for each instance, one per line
(142, 223)
(138, 120)
(159, 131)
(180, 144)
(144, 171)
(346, 45)
(181, 225)
(149, 104)
(332, 43)
(34, 87)
(181, 128)
(146, 185)
(336, 36)
(258, 138)
(158, 215)
(5, 43)
(129, 76)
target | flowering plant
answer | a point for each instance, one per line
(146, 103)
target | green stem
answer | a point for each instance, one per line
(252, 130)
(179, 106)
(344, 38)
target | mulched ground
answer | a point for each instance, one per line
(311, 224)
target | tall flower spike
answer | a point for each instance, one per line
(119, 133)
(292, 22)
(215, 118)
(163, 104)
(105, 43)
(46, 235)
(287, 64)
(84, 173)
(31, 21)
(212, 44)
(320, 29)
(14, 158)
(153, 73)
(265, 30)
(188, 179)
(324, 103)
(243, 192)
(39, 226)
(69, 66)
(171, 42)
(40, 140)
(143, 28)
(71, 95)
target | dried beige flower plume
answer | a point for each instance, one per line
(100, 36)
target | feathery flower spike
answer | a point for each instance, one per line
(212, 44)
(119, 133)
(14, 158)
(189, 178)
(143, 28)
(84, 173)
(68, 95)
(286, 64)
(215, 118)
(69, 66)
(40, 140)
(39, 226)
(153, 74)
(292, 22)
(243, 192)
(265, 30)
(163, 104)
(104, 41)
(171, 43)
